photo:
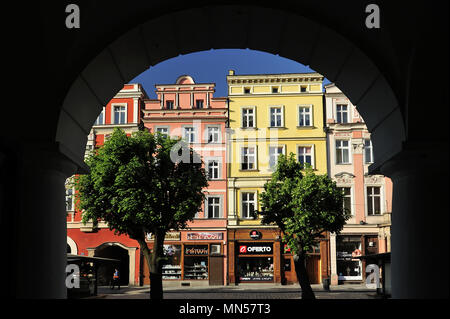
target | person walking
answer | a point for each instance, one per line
(116, 279)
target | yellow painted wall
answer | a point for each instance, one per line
(290, 136)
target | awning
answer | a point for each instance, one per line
(72, 258)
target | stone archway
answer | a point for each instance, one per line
(73, 246)
(116, 250)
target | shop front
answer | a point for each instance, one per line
(348, 250)
(254, 256)
(195, 257)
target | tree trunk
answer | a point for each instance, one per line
(302, 276)
(154, 265)
(156, 288)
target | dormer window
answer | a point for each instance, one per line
(199, 104)
(169, 105)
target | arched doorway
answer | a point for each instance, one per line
(105, 271)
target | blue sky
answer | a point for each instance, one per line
(212, 67)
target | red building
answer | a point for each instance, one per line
(124, 111)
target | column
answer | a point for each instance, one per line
(333, 262)
(419, 233)
(40, 224)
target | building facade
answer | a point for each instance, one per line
(269, 115)
(368, 198)
(187, 109)
(123, 111)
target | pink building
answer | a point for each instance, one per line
(368, 198)
(187, 109)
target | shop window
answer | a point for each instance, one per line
(347, 248)
(255, 269)
(195, 262)
(172, 266)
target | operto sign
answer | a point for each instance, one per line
(256, 249)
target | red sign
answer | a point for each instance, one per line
(243, 249)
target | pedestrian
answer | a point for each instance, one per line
(116, 279)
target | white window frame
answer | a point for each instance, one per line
(162, 127)
(348, 149)
(381, 196)
(72, 204)
(242, 116)
(348, 112)
(103, 112)
(283, 151)
(113, 112)
(255, 202)
(219, 168)
(219, 135)
(281, 114)
(173, 104)
(313, 157)
(352, 213)
(311, 118)
(194, 132)
(203, 104)
(255, 156)
(371, 151)
(220, 205)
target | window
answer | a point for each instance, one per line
(213, 169)
(274, 152)
(189, 134)
(248, 205)
(248, 158)
(119, 114)
(342, 113)
(342, 152)
(304, 116)
(101, 118)
(213, 134)
(248, 117)
(162, 130)
(276, 116)
(169, 105)
(247, 90)
(373, 200)
(213, 207)
(69, 199)
(347, 191)
(274, 89)
(368, 151)
(305, 155)
(303, 88)
(199, 104)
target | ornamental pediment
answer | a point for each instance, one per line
(344, 178)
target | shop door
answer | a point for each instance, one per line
(313, 268)
(216, 270)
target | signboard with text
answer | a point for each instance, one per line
(255, 249)
(204, 236)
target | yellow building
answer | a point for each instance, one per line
(269, 115)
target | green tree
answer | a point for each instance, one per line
(304, 206)
(139, 184)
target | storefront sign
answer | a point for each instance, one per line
(254, 234)
(168, 237)
(204, 236)
(255, 249)
(196, 250)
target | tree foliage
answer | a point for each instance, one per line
(136, 188)
(303, 205)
